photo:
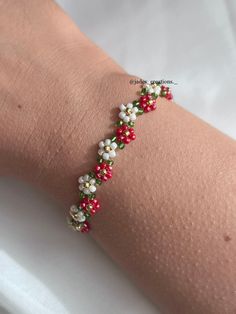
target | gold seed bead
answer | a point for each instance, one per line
(78, 228)
(128, 111)
(107, 149)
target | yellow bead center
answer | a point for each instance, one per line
(107, 149)
(128, 111)
(86, 185)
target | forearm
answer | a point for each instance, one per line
(168, 215)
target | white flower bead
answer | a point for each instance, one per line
(81, 180)
(107, 149)
(80, 217)
(73, 209)
(107, 141)
(128, 112)
(77, 214)
(122, 107)
(86, 177)
(92, 181)
(101, 144)
(87, 184)
(157, 90)
(153, 88)
(92, 189)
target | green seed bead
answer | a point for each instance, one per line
(81, 195)
(91, 196)
(121, 145)
(131, 123)
(143, 91)
(154, 95)
(91, 174)
(119, 123)
(110, 162)
(100, 160)
(99, 182)
(135, 102)
(140, 111)
(87, 215)
(163, 93)
(113, 139)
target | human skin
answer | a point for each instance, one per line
(169, 214)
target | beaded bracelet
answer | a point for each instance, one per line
(80, 214)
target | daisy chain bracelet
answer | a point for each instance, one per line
(81, 213)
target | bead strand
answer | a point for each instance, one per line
(88, 206)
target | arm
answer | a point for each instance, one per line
(168, 216)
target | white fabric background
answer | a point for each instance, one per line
(44, 267)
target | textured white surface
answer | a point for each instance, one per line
(45, 268)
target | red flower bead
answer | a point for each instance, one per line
(125, 134)
(165, 92)
(103, 171)
(91, 206)
(85, 227)
(169, 96)
(147, 103)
